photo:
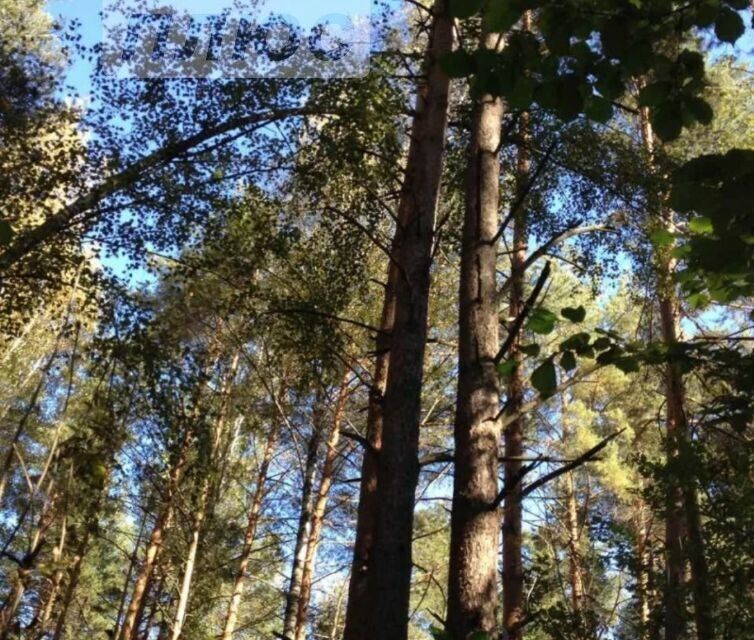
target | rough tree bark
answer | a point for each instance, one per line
(475, 530)
(390, 570)
(357, 607)
(318, 515)
(513, 564)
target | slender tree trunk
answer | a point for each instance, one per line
(513, 563)
(390, 569)
(7, 466)
(643, 568)
(255, 511)
(357, 607)
(573, 526)
(74, 574)
(304, 529)
(56, 580)
(206, 490)
(683, 522)
(190, 564)
(318, 515)
(475, 529)
(129, 574)
(27, 565)
(334, 630)
(155, 544)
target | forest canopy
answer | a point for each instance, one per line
(433, 321)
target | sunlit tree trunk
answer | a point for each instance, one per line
(156, 541)
(573, 527)
(205, 491)
(304, 529)
(48, 604)
(28, 563)
(513, 563)
(643, 569)
(391, 565)
(475, 528)
(318, 515)
(684, 536)
(255, 511)
(357, 607)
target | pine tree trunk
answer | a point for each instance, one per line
(683, 522)
(156, 541)
(358, 605)
(390, 570)
(190, 564)
(74, 574)
(475, 529)
(129, 574)
(318, 515)
(513, 563)
(56, 580)
(643, 568)
(200, 512)
(575, 573)
(304, 530)
(231, 618)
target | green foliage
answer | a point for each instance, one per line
(589, 52)
(542, 321)
(577, 315)
(545, 379)
(719, 249)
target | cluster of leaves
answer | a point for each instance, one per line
(605, 347)
(590, 52)
(719, 248)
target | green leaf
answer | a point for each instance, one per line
(578, 343)
(655, 94)
(574, 314)
(707, 13)
(568, 361)
(542, 321)
(464, 8)
(502, 15)
(531, 350)
(479, 635)
(667, 121)
(459, 64)
(598, 109)
(522, 94)
(506, 369)
(545, 379)
(628, 364)
(602, 343)
(729, 26)
(6, 233)
(662, 238)
(440, 634)
(700, 109)
(569, 102)
(702, 225)
(616, 38)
